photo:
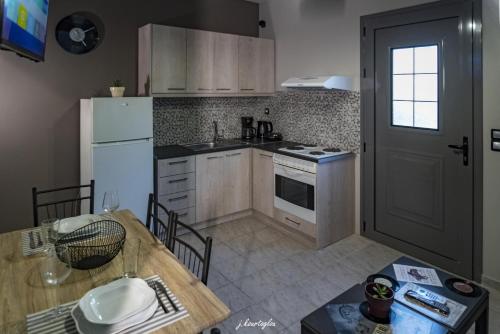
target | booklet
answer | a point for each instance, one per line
(456, 309)
(418, 275)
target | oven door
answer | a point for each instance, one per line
(295, 192)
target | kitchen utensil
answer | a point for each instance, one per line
(84, 326)
(90, 250)
(114, 302)
(162, 288)
(55, 268)
(153, 286)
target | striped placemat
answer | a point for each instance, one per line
(31, 246)
(41, 323)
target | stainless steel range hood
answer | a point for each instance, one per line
(325, 82)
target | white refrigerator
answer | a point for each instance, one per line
(116, 150)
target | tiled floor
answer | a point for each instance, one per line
(262, 274)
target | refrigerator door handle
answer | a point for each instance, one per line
(132, 141)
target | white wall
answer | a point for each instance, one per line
(491, 111)
(316, 37)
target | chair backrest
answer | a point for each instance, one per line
(62, 202)
(197, 260)
(158, 220)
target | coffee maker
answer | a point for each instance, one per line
(247, 129)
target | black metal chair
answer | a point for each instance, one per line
(62, 202)
(161, 228)
(188, 254)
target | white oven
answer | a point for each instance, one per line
(295, 187)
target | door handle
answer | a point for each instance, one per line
(462, 149)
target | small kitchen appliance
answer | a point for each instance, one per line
(247, 129)
(264, 129)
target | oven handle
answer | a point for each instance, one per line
(288, 171)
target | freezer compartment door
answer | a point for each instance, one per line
(122, 119)
(127, 168)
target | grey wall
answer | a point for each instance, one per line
(39, 103)
(328, 118)
(491, 114)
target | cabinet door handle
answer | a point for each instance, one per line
(174, 88)
(224, 89)
(211, 158)
(177, 162)
(233, 155)
(177, 181)
(265, 155)
(183, 215)
(177, 198)
(292, 221)
(248, 89)
(204, 89)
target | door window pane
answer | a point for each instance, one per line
(402, 87)
(402, 61)
(426, 115)
(426, 59)
(426, 87)
(402, 113)
(415, 93)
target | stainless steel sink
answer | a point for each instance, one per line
(212, 145)
(201, 146)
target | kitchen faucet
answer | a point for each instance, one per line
(217, 137)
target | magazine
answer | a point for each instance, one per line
(418, 275)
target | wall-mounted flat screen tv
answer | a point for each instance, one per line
(23, 27)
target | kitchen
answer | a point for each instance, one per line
(255, 143)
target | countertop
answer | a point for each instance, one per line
(176, 151)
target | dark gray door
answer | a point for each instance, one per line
(423, 103)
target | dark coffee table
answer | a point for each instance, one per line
(321, 321)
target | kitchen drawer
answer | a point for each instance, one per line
(176, 183)
(186, 216)
(178, 201)
(295, 222)
(176, 166)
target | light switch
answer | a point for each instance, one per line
(495, 134)
(495, 145)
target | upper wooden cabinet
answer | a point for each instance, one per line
(162, 68)
(226, 63)
(200, 60)
(256, 65)
(185, 62)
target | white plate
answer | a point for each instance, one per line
(117, 301)
(71, 224)
(83, 326)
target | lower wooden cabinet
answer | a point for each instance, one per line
(222, 184)
(263, 182)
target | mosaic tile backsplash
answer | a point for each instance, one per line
(328, 118)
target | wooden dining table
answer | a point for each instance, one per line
(23, 292)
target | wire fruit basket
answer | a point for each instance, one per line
(94, 245)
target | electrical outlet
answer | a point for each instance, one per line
(266, 111)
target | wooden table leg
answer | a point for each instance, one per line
(482, 322)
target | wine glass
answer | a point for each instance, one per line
(110, 202)
(55, 268)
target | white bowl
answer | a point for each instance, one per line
(117, 301)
